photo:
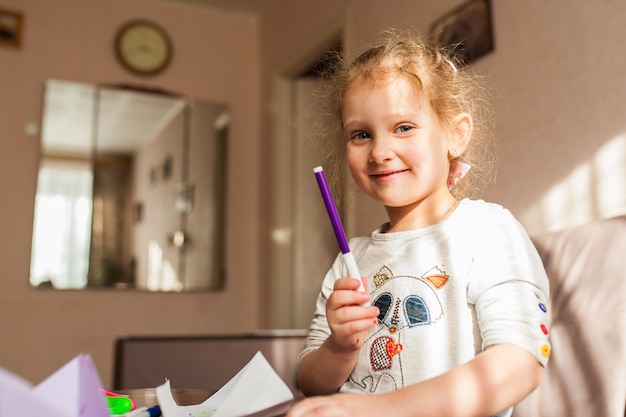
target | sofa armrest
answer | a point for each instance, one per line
(586, 374)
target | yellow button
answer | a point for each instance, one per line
(545, 350)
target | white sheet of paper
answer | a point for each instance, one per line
(256, 390)
(72, 391)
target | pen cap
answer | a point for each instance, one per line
(119, 405)
(154, 411)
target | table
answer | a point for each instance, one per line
(146, 397)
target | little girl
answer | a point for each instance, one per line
(453, 321)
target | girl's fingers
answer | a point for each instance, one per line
(348, 315)
(340, 298)
(315, 407)
(353, 314)
(352, 333)
(347, 283)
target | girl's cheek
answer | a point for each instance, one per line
(356, 166)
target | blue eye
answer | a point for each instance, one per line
(359, 136)
(404, 128)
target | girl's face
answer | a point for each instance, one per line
(397, 150)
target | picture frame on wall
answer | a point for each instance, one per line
(11, 23)
(466, 30)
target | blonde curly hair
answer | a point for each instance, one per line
(450, 88)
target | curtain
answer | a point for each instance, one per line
(62, 226)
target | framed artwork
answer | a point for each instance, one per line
(10, 28)
(466, 30)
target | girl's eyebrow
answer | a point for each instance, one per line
(351, 129)
(354, 123)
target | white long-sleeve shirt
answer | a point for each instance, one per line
(445, 293)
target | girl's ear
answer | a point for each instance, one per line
(461, 134)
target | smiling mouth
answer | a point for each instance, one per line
(387, 175)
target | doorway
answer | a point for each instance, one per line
(303, 244)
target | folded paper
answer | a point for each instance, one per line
(256, 390)
(72, 391)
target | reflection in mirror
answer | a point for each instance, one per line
(130, 191)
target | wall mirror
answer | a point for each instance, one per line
(130, 190)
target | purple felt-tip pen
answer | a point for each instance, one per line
(335, 220)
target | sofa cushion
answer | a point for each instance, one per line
(586, 374)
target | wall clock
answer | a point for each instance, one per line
(143, 47)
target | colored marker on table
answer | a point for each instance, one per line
(118, 403)
(146, 412)
(335, 220)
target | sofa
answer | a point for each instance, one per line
(586, 374)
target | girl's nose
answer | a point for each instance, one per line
(381, 152)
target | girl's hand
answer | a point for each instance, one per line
(348, 315)
(344, 405)
(325, 369)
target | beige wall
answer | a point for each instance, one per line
(559, 86)
(556, 71)
(216, 59)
